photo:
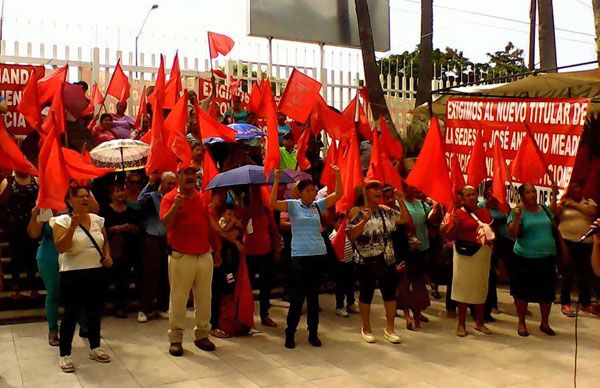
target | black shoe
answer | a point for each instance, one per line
(436, 294)
(205, 344)
(290, 341)
(175, 349)
(314, 340)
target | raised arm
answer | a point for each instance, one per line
(63, 237)
(332, 198)
(404, 214)
(515, 226)
(358, 229)
(273, 201)
(169, 218)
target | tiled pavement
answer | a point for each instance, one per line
(432, 357)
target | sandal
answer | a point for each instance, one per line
(218, 333)
(98, 354)
(66, 364)
(409, 324)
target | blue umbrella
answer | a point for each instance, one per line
(245, 175)
(243, 132)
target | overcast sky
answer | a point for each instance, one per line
(182, 24)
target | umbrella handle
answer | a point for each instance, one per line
(122, 160)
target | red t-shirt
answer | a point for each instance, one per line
(189, 233)
(467, 226)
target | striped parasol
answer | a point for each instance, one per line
(122, 154)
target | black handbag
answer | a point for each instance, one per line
(466, 248)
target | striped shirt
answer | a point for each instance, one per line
(348, 250)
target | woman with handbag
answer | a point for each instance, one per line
(534, 270)
(370, 229)
(80, 239)
(469, 228)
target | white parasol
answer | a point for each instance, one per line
(123, 154)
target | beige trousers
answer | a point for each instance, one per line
(189, 272)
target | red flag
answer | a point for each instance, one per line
(299, 97)
(50, 84)
(430, 173)
(96, 99)
(142, 111)
(334, 123)
(328, 177)
(363, 123)
(118, 86)
(390, 173)
(303, 162)
(80, 167)
(352, 176)
(11, 157)
(173, 87)
(29, 105)
(529, 165)
(147, 138)
(339, 240)
(456, 174)
(219, 44)
(256, 98)
(243, 294)
(160, 157)
(272, 154)
(234, 85)
(57, 111)
(375, 171)
(389, 146)
(499, 175)
(175, 124)
(210, 127)
(316, 123)
(477, 169)
(177, 119)
(209, 169)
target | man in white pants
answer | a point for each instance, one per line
(190, 232)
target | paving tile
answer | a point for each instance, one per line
(231, 380)
(319, 370)
(274, 376)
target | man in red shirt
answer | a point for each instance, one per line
(193, 236)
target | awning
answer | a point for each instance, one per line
(582, 84)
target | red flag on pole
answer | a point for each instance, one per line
(142, 111)
(272, 155)
(389, 146)
(529, 165)
(352, 175)
(255, 99)
(328, 176)
(160, 157)
(209, 169)
(336, 125)
(219, 44)
(363, 122)
(173, 87)
(430, 173)
(57, 111)
(96, 99)
(49, 85)
(303, 162)
(29, 105)
(477, 169)
(375, 171)
(299, 97)
(175, 124)
(11, 157)
(390, 173)
(118, 86)
(458, 179)
(210, 127)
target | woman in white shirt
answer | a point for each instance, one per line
(81, 261)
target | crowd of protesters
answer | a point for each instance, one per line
(155, 242)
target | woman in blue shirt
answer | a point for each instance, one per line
(534, 271)
(308, 252)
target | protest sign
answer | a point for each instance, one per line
(222, 94)
(556, 125)
(13, 79)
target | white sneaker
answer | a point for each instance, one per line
(98, 354)
(142, 318)
(163, 314)
(342, 313)
(66, 364)
(392, 337)
(368, 337)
